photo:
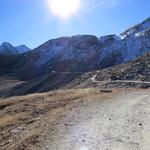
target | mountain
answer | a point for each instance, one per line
(75, 53)
(73, 61)
(133, 42)
(10, 58)
(138, 29)
(84, 53)
(135, 73)
(7, 49)
(22, 49)
(9, 64)
(136, 70)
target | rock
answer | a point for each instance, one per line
(106, 91)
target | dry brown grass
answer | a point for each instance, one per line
(33, 113)
(8, 120)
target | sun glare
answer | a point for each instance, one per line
(83, 148)
(64, 9)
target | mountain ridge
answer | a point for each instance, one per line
(8, 49)
(84, 53)
(132, 74)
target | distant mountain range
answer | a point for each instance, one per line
(7, 49)
(22, 49)
(77, 54)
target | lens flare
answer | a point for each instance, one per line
(64, 9)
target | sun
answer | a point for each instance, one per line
(64, 9)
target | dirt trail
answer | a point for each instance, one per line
(118, 81)
(121, 122)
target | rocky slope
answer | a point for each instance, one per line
(11, 57)
(132, 43)
(138, 29)
(75, 53)
(84, 53)
(137, 70)
(65, 61)
(133, 74)
(9, 64)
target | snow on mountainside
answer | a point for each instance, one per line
(136, 70)
(63, 54)
(130, 44)
(138, 29)
(67, 48)
(7, 49)
(87, 52)
(82, 53)
(22, 49)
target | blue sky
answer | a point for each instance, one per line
(30, 22)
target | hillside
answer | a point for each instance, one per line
(75, 117)
(78, 93)
(9, 64)
(138, 70)
(132, 74)
(69, 62)
(80, 53)
(83, 53)
(135, 74)
(24, 119)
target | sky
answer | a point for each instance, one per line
(31, 22)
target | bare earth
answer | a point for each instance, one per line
(76, 119)
(119, 122)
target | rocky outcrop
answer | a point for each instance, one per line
(137, 70)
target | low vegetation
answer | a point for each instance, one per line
(24, 118)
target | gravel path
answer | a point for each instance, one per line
(118, 81)
(121, 122)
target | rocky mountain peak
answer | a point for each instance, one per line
(6, 44)
(137, 29)
(7, 49)
(22, 48)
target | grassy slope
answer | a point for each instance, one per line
(23, 119)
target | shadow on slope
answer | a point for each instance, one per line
(44, 83)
